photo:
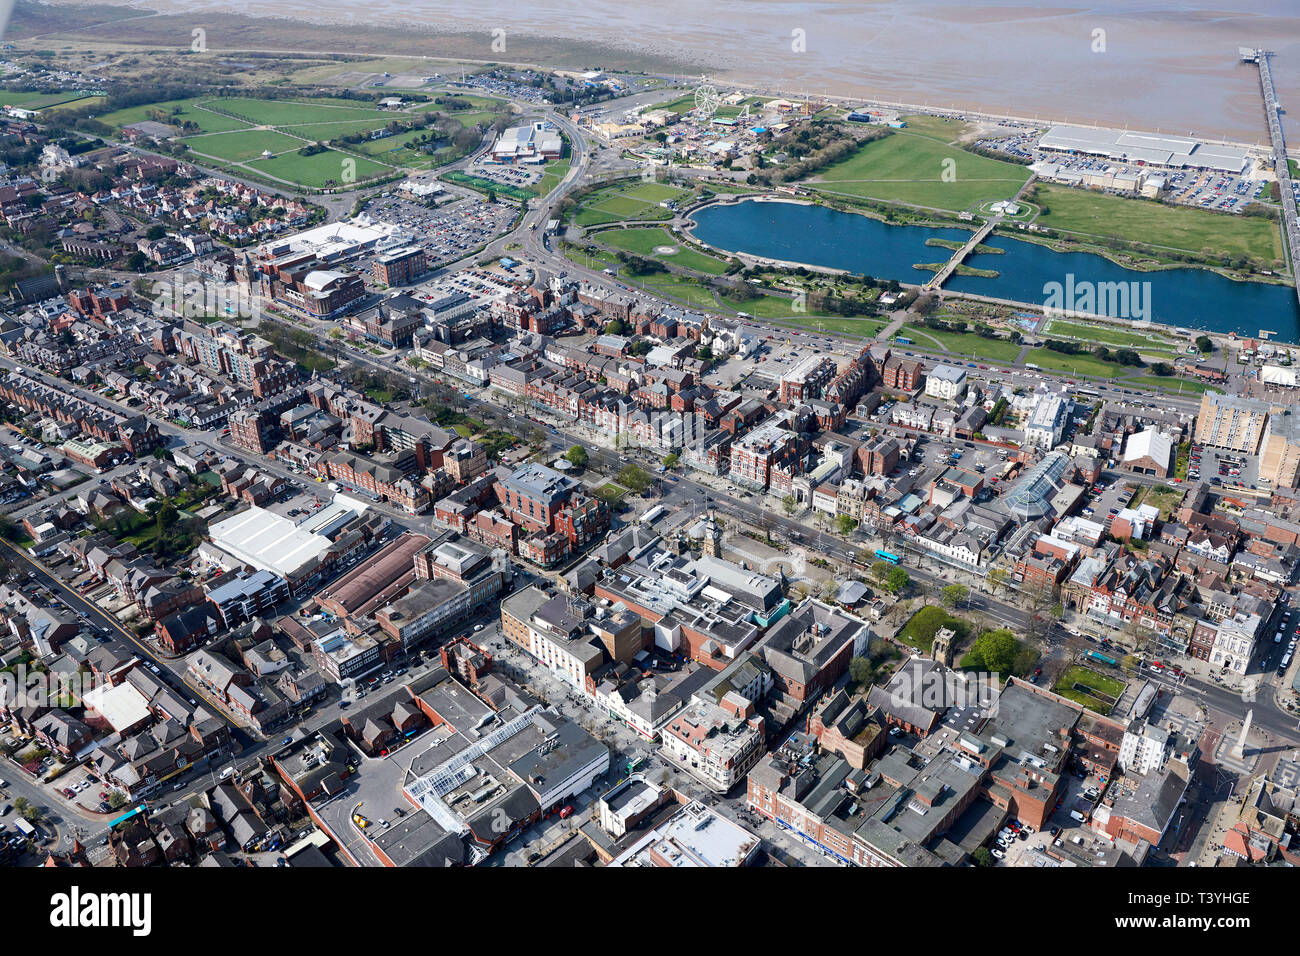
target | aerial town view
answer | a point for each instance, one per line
(747, 435)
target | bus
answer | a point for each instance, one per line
(26, 829)
(1102, 658)
(889, 556)
(902, 341)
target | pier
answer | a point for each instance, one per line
(1286, 188)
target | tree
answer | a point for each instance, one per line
(670, 460)
(998, 578)
(635, 478)
(577, 456)
(830, 590)
(860, 670)
(890, 576)
(954, 595)
(994, 651)
(1205, 344)
(788, 504)
(845, 524)
(982, 856)
(116, 800)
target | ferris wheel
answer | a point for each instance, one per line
(706, 98)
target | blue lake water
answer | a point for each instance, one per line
(815, 235)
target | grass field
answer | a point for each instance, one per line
(936, 127)
(964, 343)
(295, 113)
(323, 132)
(629, 200)
(1077, 682)
(486, 186)
(678, 287)
(1109, 335)
(317, 171)
(242, 145)
(1075, 364)
(644, 242)
(917, 169)
(1157, 224)
(39, 101)
(860, 328)
(1173, 386)
(207, 122)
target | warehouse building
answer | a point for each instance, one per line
(1146, 149)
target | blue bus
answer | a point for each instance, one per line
(127, 816)
(888, 556)
(1103, 658)
(901, 340)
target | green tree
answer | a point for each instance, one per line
(995, 651)
(577, 456)
(1205, 344)
(982, 856)
(890, 576)
(998, 578)
(788, 504)
(860, 670)
(116, 800)
(845, 524)
(954, 595)
(635, 478)
(670, 461)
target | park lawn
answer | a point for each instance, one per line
(1108, 335)
(39, 101)
(384, 148)
(552, 174)
(207, 122)
(683, 104)
(19, 98)
(610, 493)
(80, 103)
(327, 131)
(644, 242)
(472, 117)
(964, 343)
(1158, 224)
(242, 145)
(1085, 364)
(478, 102)
(1089, 678)
(859, 328)
(910, 168)
(601, 260)
(317, 171)
(1174, 385)
(634, 200)
(675, 286)
(295, 113)
(486, 186)
(936, 127)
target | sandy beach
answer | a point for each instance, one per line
(1160, 65)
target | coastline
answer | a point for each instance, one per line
(667, 56)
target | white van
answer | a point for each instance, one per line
(1076, 815)
(227, 772)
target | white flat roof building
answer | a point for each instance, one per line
(270, 542)
(1150, 149)
(695, 836)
